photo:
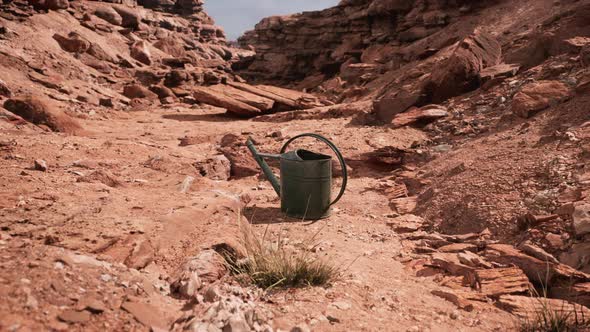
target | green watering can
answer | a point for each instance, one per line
(305, 186)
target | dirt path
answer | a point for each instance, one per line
(142, 151)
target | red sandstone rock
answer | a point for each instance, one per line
(461, 72)
(73, 43)
(42, 111)
(140, 52)
(538, 96)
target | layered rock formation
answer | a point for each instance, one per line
(356, 40)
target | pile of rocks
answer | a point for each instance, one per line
(474, 268)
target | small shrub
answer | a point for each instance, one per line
(269, 264)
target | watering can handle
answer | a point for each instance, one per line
(336, 151)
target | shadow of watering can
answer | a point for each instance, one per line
(305, 184)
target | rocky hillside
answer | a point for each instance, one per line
(126, 181)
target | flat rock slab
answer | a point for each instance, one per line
(73, 316)
(145, 313)
(458, 247)
(259, 102)
(215, 98)
(502, 70)
(496, 282)
(414, 115)
(290, 99)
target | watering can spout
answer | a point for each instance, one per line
(259, 157)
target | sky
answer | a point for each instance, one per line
(238, 16)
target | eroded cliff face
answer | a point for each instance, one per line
(355, 40)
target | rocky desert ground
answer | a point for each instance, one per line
(128, 194)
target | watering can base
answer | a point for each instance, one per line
(302, 216)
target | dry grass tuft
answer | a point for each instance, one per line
(269, 264)
(550, 319)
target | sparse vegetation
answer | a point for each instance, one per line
(270, 264)
(551, 319)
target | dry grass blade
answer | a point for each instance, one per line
(269, 264)
(551, 319)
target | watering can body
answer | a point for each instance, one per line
(305, 184)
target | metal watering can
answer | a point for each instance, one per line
(305, 185)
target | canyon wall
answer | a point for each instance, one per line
(352, 39)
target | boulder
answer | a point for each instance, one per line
(132, 91)
(130, 18)
(176, 78)
(140, 52)
(581, 219)
(42, 111)
(162, 91)
(406, 223)
(96, 51)
(99, 65)
(538, 96)
(148, 76)
(171, 46)
(73, 43)
(148, 315)
(539, 253)
(109, 14)
(460, 73)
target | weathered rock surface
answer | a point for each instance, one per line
(73, 43)
(581, 219)
(207, 267)
(138, 91)
(216, 98)
(42, 111)
(538, 96)
(461, 72)
(129, 18)
(109, 14)
(371, 31)
(141, 52)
